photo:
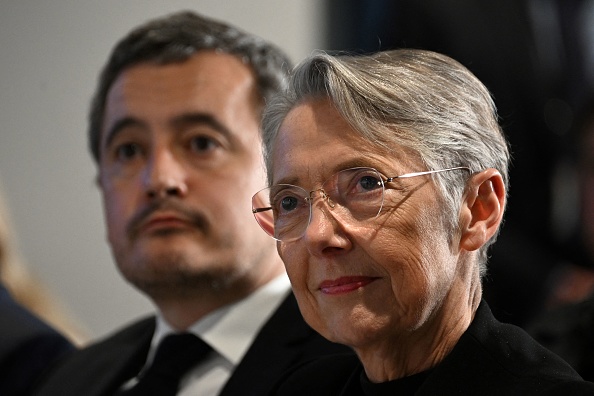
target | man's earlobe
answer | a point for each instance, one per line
(482, 209)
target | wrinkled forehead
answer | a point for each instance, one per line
(315, 141)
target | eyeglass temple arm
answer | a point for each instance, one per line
(425, 173)
(258, 210)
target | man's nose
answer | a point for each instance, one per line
(164, 175)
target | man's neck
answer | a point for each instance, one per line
(182, 310)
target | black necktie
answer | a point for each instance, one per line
(176, 354)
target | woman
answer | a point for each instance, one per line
(388, 180)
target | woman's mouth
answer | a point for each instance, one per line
(345, 284)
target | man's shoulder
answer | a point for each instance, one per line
(141, 327)
(138, 332)
(284, 341)
(286, 326)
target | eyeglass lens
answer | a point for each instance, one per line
(284, 210)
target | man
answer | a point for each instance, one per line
(174, 128)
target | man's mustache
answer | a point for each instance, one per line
(191, 216)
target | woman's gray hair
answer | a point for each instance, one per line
(417, 99)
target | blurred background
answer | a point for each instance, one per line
(536, 57)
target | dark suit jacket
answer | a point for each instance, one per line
(491, 358)
(28, 346)
(102, 368)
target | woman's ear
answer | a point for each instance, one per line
(482, 209)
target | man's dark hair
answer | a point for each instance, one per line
(175, 38)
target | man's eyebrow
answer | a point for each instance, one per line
(178, 123)
(206, 119)
(120, 125)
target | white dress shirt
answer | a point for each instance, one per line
(229, 331)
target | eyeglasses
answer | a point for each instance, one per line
(284, 210)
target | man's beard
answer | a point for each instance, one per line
(176, 276)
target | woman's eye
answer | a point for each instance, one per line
(368, 183)
(284, 203)
(202, 143)
(127, 151)
(288, 204)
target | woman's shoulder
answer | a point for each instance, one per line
(502, 358)
(326, 375)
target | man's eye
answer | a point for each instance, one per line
(202, 143)
(127, 151)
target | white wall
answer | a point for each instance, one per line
(50, 55)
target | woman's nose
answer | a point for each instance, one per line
(325, 231)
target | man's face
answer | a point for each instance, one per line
(180, 158)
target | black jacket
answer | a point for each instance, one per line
(491, 358)
(102, 368)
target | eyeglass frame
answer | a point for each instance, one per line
(326, 197)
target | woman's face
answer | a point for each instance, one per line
(358, 282)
